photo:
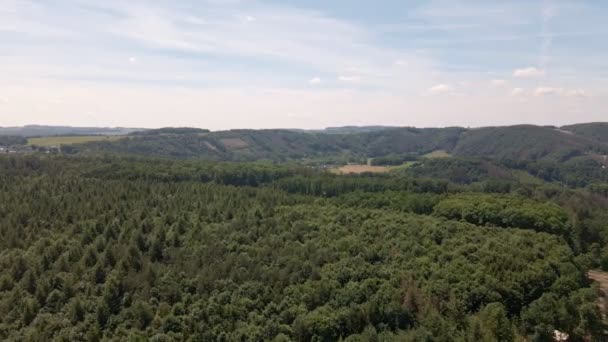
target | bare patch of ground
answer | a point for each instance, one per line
(360, 168)
(234, 143)
(600, 158)
(602, 279)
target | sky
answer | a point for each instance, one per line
(223, 64)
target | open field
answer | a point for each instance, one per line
(404, 166)
(360, 169)
(71, 139)
(437, 154)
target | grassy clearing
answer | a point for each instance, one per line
(71, 139)
(360, 169)
(404, 166)
(437, 154)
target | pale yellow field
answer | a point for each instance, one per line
(437, 154)
(360, 169)
(71, 139)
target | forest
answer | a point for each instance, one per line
(115, 248)
(386, 145)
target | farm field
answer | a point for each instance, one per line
(360, 168)
(71, 139)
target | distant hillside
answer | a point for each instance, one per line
(526, 142)
(236, 145)
(41, 131)
(522, 142)
(594, 130)
(12, 140)
(171, 130)
(355, 129)
(408, 140)
(280, 145)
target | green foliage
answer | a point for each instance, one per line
(504, 211)
(593, 130)
(491, 324)
(458, 170)
(131, 249)
(525, 142)
(278, 145)
(576, 172)
(386, 146)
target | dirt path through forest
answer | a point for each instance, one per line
(602, 279)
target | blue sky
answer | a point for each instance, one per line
(261, 64)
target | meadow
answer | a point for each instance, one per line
(71, 139)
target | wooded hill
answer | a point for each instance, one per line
(522, 142)
(42, 130)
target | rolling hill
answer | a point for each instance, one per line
(526, 142)
(41, 130)
(521, 142)
(279, 145)
(593, 130)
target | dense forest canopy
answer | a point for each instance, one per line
(181, 234)
(115, 248)
(594, 130)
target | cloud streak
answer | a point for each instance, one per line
(528, 72)
(114, 56)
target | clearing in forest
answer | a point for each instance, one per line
(360, 168)
(71, 139)
(437, 154)
(234, 143)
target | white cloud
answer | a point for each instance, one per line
(440, 89)
(577, 93)
(528, 72)
(551, 91)
(544, 91)
(315, 80)
(211, 51)
(132, 60)
(349, 78)
(517, 92)
(498, 83)
(233, 108)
